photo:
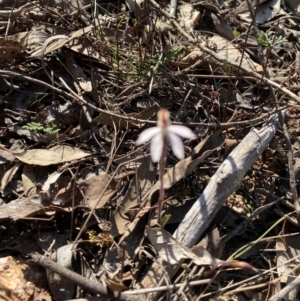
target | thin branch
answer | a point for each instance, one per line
(282, 294)
(165, 287)
(83, 282)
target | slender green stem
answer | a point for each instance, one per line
(252, 244)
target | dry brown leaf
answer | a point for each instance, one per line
(222, 27)
(163, 26)
(212, 6)
(228, 52)
(230, 144)
(66, 191)
(135, 6)
(263, 13)
(6, 156)
(189, 16)
(8, 176)
(83, 47)
(95, 186)
(243, 7)
(28, 180)
(171, 255)
(59, 43)
(55, 155)
(174, 252)
(212, 242)
(79, 45)
(52, 178)
(144, 179)
(180, 170)
(64, 256)
(59, 189)
(111, 34)
(6, 161)
(56, 44)
(21, 208)
(29, 39)
(190, 59)
(78, 73)
(237, 203)
(115, 286)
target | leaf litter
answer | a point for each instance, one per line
(76, 92)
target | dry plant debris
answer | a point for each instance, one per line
(80, 81)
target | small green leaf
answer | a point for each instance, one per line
(50, 128)
(270, 43)
(236, 33)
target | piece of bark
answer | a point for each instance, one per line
(227, 179)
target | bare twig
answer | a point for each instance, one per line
(165, 287)
(281, 295)
(186, 283)
(13, 13)
(87, 284)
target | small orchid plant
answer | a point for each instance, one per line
(160, 135)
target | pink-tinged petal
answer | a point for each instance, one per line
(182, 131)
(147, 135)
(156, 147)
(176, 145)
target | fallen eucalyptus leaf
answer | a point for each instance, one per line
(174, 252)
(55, 155)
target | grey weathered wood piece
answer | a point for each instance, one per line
(226, 180)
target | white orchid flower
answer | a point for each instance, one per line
(163, 132)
